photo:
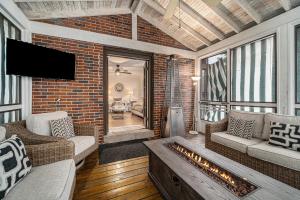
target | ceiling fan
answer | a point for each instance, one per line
(118, 71)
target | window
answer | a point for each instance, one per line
(10, 86)
(252, 80)
(213, 87)
(253, 72)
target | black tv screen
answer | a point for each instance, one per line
(26, 59)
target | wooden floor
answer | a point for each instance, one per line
(129, 119)
(127, 179)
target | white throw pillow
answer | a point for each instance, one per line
(2, 133)
(40, 123)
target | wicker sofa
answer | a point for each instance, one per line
(276, 162)
(47, 149)
(52, 160)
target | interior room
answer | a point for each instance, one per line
(126, 94)
(149, 99)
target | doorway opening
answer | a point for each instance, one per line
(125, 94)
(128, 96)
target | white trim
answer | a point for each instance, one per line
(87, 36)
(10, 108)
(13, 13)
(134, 26)
(16, 16)
(292, 66)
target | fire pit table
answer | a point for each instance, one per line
(183, 170)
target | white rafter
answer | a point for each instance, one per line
(136, 6)
(244, 4)
(205, 23)
(164, 29)
(233, 25)
(156, 6)
(286, 4)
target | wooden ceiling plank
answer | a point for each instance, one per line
(204, 22)
(233, 25)
(23, 1)
(165, 30)
(286, 4)
(79, 13)
(244, 4)
(156, 6)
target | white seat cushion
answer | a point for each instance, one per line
(48, 182)
(277, 155)
(82, 143)
(233, 142)
(249, 116)
(272, 117)
(40, 123)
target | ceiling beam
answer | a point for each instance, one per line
(232, 24)
(205, 23)
(156, 6)
(76, 13)
(286, 4)
(244, 4)
(164, 29)
(136, 6)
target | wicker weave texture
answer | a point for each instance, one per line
(283, 174)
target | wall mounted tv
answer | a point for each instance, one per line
(26, 59)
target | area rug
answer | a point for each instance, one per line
(122, 151)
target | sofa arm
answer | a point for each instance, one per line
(215, 127)
(47, 153)
(86, 130)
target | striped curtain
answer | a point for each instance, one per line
(253, 73)
(10, 88)
(216, 81)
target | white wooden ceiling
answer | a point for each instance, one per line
(202, 22)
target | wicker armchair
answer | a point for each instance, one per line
(283, 174)
(43, 150)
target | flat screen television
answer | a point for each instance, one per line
(26, 59)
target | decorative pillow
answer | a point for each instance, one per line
(285, 135)
(14, 164)
(2, 133)
(62, 127)
(241, 128)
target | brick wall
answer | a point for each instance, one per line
(186, 71)
(117, 25)
(83, 98)
(149, 33)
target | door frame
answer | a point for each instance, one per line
(131, 54)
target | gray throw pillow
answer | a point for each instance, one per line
(62, 127)
(241, 128)
(14, 164)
